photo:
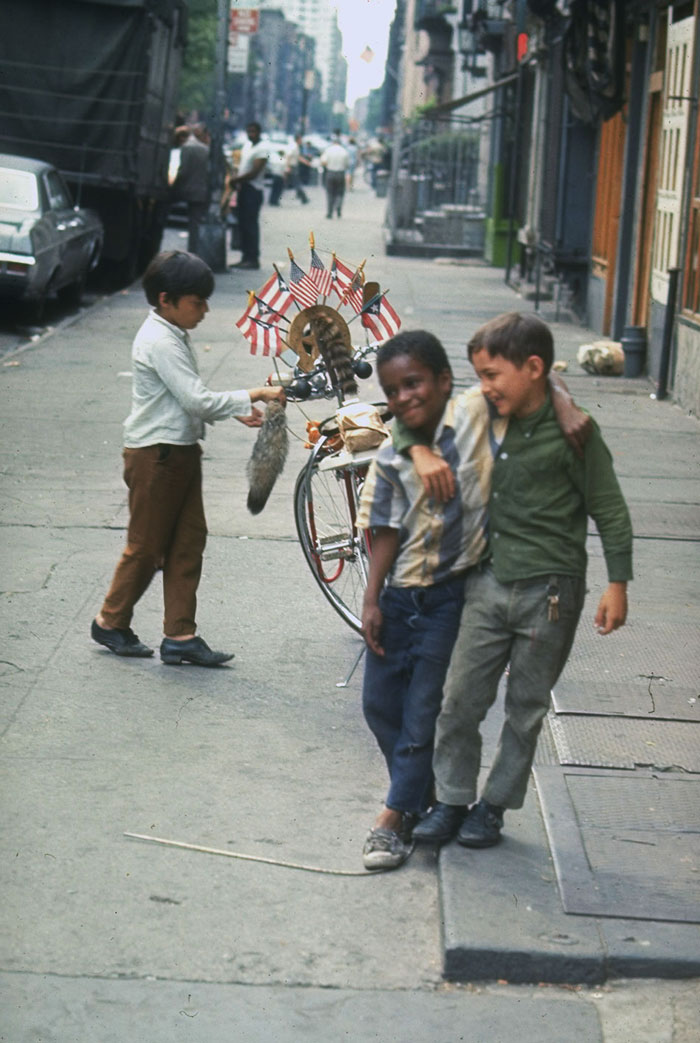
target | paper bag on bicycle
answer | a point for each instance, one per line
(361, 427)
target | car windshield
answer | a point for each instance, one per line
(18, 190)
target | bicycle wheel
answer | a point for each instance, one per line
(325, 507)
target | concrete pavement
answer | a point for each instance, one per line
(270, 758)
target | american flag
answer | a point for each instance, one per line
(304, 291)
(380, 318)
(320, 275)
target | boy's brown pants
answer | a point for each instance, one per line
(167, 530)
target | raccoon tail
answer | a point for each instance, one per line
(334, 353)
(268, 457)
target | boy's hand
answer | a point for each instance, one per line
(372, 620)
(612, 610)
(254, 420)
(576, 426)
(267, 394)
(434, 472)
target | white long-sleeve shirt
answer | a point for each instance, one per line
(169, 401)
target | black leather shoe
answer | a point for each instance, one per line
(195, 651)
(121, 642)
(440, 824)
(482, 826)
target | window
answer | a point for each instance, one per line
(18, 190)
(59, 197)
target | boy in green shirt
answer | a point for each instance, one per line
(523, 602)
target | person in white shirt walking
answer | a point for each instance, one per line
(162, 465)
(335, 161)
(249, 182)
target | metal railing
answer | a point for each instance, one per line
(435, 194)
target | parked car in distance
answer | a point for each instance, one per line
(47, 245)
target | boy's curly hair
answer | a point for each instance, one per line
(419, 345)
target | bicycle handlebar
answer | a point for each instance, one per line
(315, 384)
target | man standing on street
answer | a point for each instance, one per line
(249, 183)
(191, 182)
(335, 162)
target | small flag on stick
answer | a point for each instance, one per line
(258, 324)
(353, 292)
(379, 318)
(304, 291)
(341, 276)
(320, 275)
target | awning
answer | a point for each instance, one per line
(457, 103)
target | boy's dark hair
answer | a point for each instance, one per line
(254, 123)
(177, 273)
(419, 345)
(515, 337)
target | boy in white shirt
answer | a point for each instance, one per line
(162, 464)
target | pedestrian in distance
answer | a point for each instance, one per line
(523, 601)
(191, 182)
(162, 465)
(421, 552)
(296, 161)
(353, 153)
(335, 161)
(277, 166)
(249, 182)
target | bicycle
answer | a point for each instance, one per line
(328, 488)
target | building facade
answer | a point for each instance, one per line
(568, 130)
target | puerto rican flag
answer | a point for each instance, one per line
(319, 275)
(303, 290)
(341, 276)
(259, 325)
(265, 335)
(277, 294)
(353, 293)
(379, 318)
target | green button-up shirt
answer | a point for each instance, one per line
(541, 497)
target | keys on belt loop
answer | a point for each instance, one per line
(553, 600)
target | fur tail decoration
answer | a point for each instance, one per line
(335, 354)
(268, 457)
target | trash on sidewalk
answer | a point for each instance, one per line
(604, 357)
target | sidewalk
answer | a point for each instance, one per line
(597, 876)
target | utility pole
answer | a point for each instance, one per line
(211, 241)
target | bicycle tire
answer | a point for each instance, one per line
(335, 550)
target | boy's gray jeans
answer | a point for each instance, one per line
(502, 623)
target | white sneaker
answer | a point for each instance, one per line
(384, 849)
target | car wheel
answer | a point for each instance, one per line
(73, 294)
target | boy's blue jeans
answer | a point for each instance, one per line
(502, 623)
(402, 689)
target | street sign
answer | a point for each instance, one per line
(237, 54)
(244, 20)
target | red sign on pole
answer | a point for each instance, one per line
(244, 20)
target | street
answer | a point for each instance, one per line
(110, 938)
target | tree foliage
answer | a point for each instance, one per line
(197, 80)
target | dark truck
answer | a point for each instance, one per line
(90, 87)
